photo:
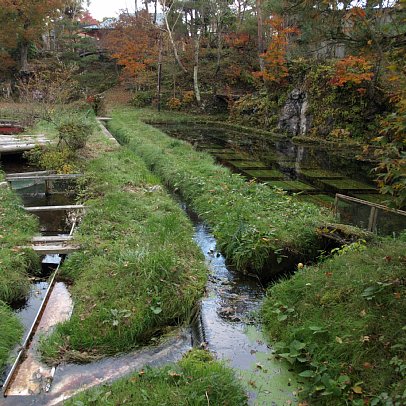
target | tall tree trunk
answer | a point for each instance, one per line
(261, 48)
(159, 72)
(146, 5)
(174, 48)
(155, 10)
(196, 69)
(24, 57)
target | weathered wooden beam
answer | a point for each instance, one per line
(53, 208)
(36, 173)
(55, 249)
(366, 203)
(18, 147)
(44, 177)
(104, 118)
(52, 238)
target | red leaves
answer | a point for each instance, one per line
(352, 70)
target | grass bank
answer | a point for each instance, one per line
(258, 228)
(10, 333)
(139, 270)
(16, 229)
(195, 380)
(342, 323)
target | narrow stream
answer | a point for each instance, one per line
(229, 322)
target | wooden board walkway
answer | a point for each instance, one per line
(21, 143)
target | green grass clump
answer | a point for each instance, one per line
(254, 224)
(342, 323)
(138, 270)
(195, 380)
(16, 229)
(10, 333)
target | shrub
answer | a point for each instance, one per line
(142, 99)
(74, 131)
(174, 103)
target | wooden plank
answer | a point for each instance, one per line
(104, 118)
(52, 208)
(55, 249)
(44, 177)
(371, 204)
(24, 147)
(52, 238)
(16, 174)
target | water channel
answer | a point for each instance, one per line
(227, 322)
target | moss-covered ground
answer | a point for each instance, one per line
(138, 271)
(195, 380)
(253, 223)
(342, 324)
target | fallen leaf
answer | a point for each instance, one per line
(357, 389)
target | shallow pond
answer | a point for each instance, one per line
(316, 172)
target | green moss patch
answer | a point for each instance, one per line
(320, 174)
(291, 185)
(248, 164)
(252, 222)
(347, 184)
(342, 324)
(195, 380)
(264, 173)
(231, 156)
(139, 270)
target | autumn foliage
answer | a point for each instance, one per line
(276, 69)
(134, 44)
(352, 70)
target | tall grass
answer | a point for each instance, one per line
(342, 322)
(139, 270)
(257, 227)
(16, 229)
(196, 380)
(10, 333)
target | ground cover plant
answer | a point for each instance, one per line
(195, 380)
(255, 226)
(138, 270)
(10, 333)
(342, 324)
(16, 229)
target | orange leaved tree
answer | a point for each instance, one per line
(23, 22)
(275, 61)
(133, 42)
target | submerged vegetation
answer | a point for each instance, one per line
(258, 228)
(138, 271)
(195, 380)
(342, 324)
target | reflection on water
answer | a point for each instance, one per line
(228, 317)
(318, 173)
